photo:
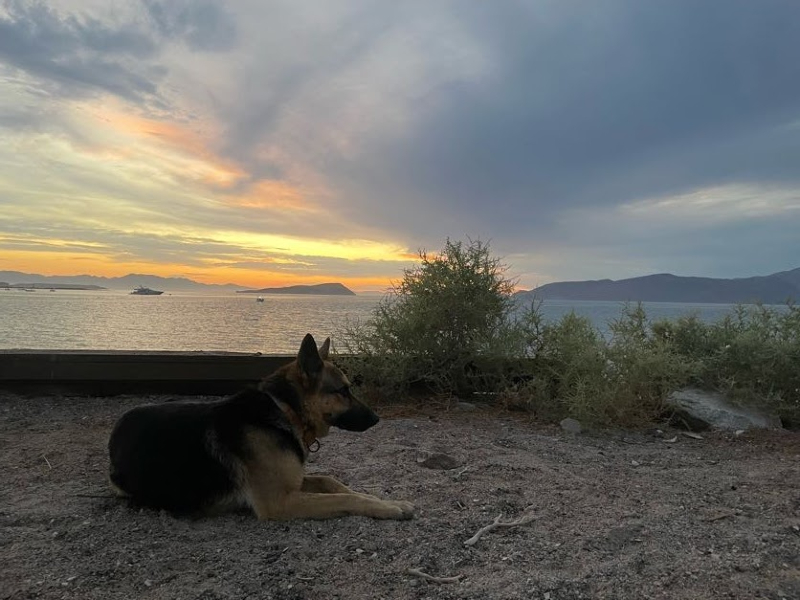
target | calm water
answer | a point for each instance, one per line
(115, 320)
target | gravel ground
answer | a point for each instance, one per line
(615, 515)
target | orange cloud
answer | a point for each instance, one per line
(186, 152)
(177, 143)
(272, 194)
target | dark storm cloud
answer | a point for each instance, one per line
(592, 103)
(202, 24)
(77, 54)
(292, 64)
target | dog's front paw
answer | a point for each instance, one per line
(406, 508)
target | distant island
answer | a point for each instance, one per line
(48, 286)
(320, 289)
(777, 288)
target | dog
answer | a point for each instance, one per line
(199, 458)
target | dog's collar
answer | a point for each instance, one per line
(306, 436)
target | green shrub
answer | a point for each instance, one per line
(580, 374)
(645, 369)
(450, 313)
(567, 370)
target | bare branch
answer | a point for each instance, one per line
(496, 524)
(426, 577)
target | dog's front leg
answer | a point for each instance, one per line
(274, 485)
(307, 505)
(323, 484)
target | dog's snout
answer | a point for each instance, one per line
(359, 417)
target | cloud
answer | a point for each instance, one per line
(78, 54)
(201, 24)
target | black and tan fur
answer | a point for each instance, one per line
(249, 449)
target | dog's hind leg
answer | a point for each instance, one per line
(117, 490)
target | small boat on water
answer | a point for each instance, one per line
(145, 291)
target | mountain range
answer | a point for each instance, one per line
(664, 287)
(171, 284)
(777, 288)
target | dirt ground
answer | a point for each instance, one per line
(616, 515)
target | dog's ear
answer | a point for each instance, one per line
(308, 358)
(325, 349)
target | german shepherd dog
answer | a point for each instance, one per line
(247, 450)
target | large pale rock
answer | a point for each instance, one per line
(698, 410)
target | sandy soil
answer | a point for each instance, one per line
(617, 515)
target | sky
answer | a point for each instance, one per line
(273, 143)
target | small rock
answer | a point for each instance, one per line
(439, 460)
(148, 582)
(571, 425)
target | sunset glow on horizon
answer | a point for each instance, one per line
(116, 184)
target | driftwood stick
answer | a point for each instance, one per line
(496, 524)
(426, 577)
(458, 475)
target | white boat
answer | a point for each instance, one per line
(145, 291)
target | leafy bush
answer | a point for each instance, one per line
(445, 326)
(621, 381)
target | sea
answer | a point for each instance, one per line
(116, 320)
